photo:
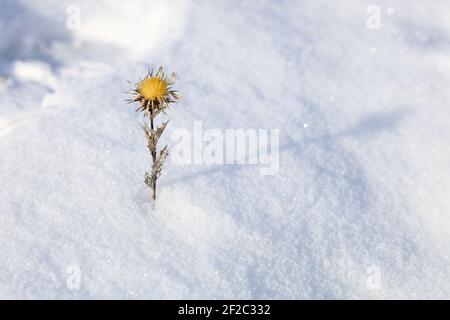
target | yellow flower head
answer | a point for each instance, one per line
(153, 88)
(155, 92)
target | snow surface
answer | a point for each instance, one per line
(364, 171)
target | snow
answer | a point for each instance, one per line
(358, 209)
(33, 71)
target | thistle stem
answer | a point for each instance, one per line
(152, 126)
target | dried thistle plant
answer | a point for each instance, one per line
(155, 94)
